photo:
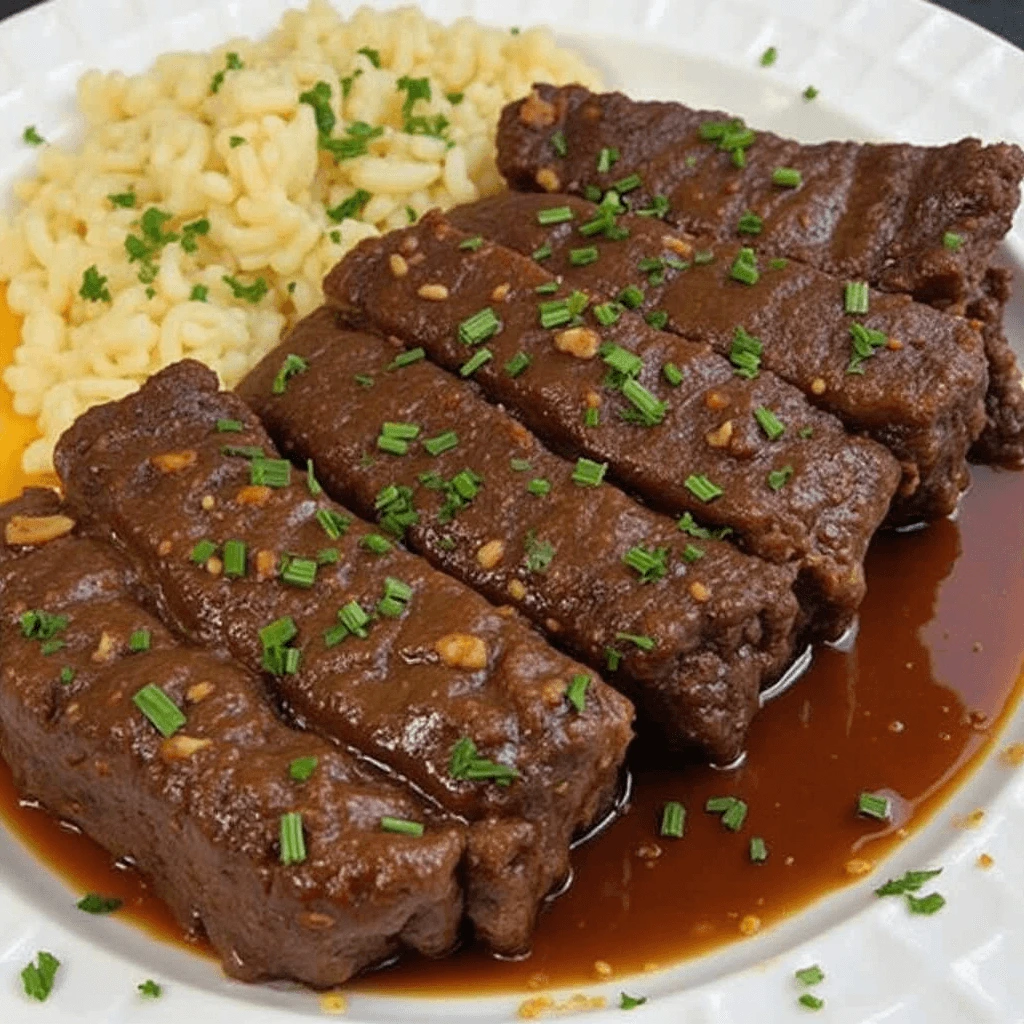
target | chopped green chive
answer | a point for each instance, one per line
(517, 364)
(631, 297)
(865, 341)
(778, 478)
(745, 354)
(466, 764)
(199, 293)
(479, 358)
(606, 159)
(657, 318)
(591, 417)
(871, 805)
(592, 194)
(312, 484)
(621, 360)
(672, 374)
(125, 200)
(647, 409)
(67, 675)
(140, 641)
(401, 827)
(673, 820)
(628, 1002)
(732, 809)
(373, 56)
(589, 473)
(548, 288)
(809, 976)
(750, 224)
(758, 850)
(702, 488)
(229, 426)
(203, 552)
(328, 556)
(32, 137)
(293, 842)
(554, 313)
(703, 257)
(856, 297)
(251, 293)
(812, 1002)
(659, 208)
(744, 267)
(539, 553)
(479, 328)
(149, 989)
(37, 978)
(952, 241)
(414, 355)
(787, 177)
(769, 57)
(559, 144)
(242, 451)
(584, 257)
(638, 640)
(334, 524)
(472, 244)
(576, 694)
(810, 93)
(692, 553)
(539, 487)
(608, 314)
(299, 572)
(397, 595)
(355, 620)
(442, 443)
(554, 215)
(235, 559)
(162, 712)
(520, 465)
(612, 659)
(627, 185)
(270, 473)
(772, 426)
(302, 768)
(650, 564)
(545, 252)
(94, 903)
(375, 544)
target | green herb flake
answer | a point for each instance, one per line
(758, 850)
(37, 978)
(94, 903)
(94, 286)
(812, 1002)
(149, 989)
(627, 1002)
(465, 764)
(252, 293)
(351, 208)
(292, 366)
(772, 426)
(302, 768)
(769, 57)
(952, 241)
(32, 137)
(576, 693)
(778, 478)
(911, 881)
(702, 488)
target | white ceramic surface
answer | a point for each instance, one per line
(886, 69)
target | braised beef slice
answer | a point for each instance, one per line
(811, 497)
(722, 622)
(877, 212)
(921, 395)
(409, 689)
(199, 813)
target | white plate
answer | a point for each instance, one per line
(886, 69)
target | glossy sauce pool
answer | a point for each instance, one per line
(909, 709)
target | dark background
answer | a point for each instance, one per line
(1006, 17)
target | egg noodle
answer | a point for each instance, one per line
(213, 192)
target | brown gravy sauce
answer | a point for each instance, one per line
(910, 708)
